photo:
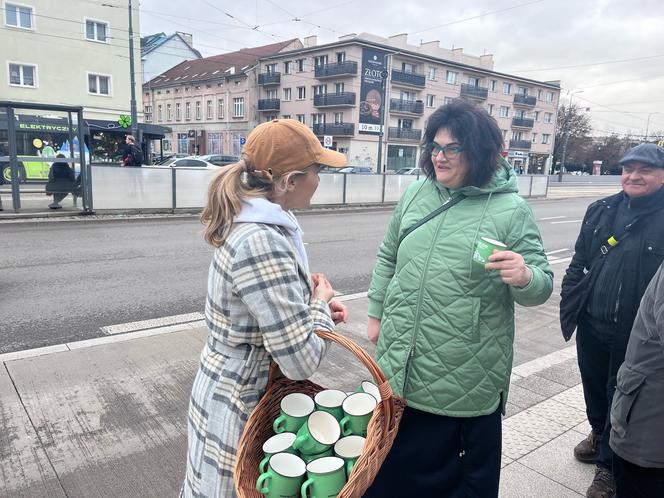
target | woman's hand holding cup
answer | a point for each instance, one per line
(512, 267)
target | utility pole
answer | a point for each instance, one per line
(645, 139)
(132, 77)
(384, 74)
(562, 161)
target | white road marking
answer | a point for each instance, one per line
(566, 221)
(557, 250)
(152, 324)
(558, 261)
(552, 218)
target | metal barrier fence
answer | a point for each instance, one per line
(149, 188)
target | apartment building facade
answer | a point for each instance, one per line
(337, 89)
(210, 104)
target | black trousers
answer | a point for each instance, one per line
(445, 457)
(599, 355)
(633, 481)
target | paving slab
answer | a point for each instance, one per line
(558, 412)
(25, 470)
(534, 426)
(518, 481)
(556, 461)
(112, 418)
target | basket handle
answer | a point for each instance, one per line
(379, 377)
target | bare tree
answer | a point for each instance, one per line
(573, 120)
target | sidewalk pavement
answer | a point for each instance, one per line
(107, 417)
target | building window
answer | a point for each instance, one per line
(521, 91)
(452, 77)
(407, 67)
(320, 90)
(183, 143)
(215, 143)
(288, 67)
(178, 114)
(301, 93)
(166, 144)
(507, 88)
(301, 118)
(432, 73)
(22, 75)
(534, 138)
(409, 96)
(96, 31)
(286, 116)
(271, 68)
(147, 110)
(159, 115)
(187, 110)
(339, 87)
(318, 118)
(338, 118)
(220, 109)
(536, 115)
(99, 84)
(341, 56)
(519, 113)
(238, 107)
(287, 94)
(168, 112)
(271, 117)
(489, 109)
(549, 96)
(301, 65)
(473, 81)
(18, 16)
(539, 94)
(545, 138)
(492, 85)
(448, 100)
(198, 110)
(320, 60)
(547, 117)
(209, 110)
(517, 136)
(430, 100)
(504, 134)
(504, 111)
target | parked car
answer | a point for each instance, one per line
(219, 160)
(407, 171)
(357, 170)
(186, 162)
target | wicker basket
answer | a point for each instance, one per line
(381, 431)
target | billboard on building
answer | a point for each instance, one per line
(371, 90)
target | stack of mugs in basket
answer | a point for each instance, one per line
(317, 442)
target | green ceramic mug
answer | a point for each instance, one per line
(284, 476)
(325, 478)
(311, 458)
(358, 409)
(279, 443)
(349, 448)
(371, 388)
(295, 408)
(484, 248)
(330, 401)
(318, 434)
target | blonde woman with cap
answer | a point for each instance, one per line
(262, 302)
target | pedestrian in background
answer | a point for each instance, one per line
(444, 323)
(61, 181)
(262, 303)
(619, 248)
(132, 154)
(637, 414)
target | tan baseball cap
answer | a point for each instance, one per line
(285, 145)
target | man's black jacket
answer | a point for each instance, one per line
(634, 260)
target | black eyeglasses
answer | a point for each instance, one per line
(450, 151)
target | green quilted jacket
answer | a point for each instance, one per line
(447, 325)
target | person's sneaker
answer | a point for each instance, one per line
(55, 205)
(603, 485)
(587, 450)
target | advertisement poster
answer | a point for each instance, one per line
(371, 90)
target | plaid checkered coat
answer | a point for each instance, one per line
(258, 308)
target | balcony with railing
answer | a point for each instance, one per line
(341, 129)
(334, 99)
(525, 100)
(269, 104)
(400, 106)
(336, 69)
(520, 144)
(406, 78)
(474, 91)
(523, 123)
(267, 79)
(396, 133)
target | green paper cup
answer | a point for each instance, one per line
(330, 401)
(284, 477)
(349, 448)
(358, 409)
(325, 478)
(279, 443)
(318, 434)
(484, 248)
(295, 408)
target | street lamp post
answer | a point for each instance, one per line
(645, 139)
(383, 75)
(562, 161)
(132, 76)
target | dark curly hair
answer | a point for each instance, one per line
(476, 132)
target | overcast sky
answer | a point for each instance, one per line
(615, 46)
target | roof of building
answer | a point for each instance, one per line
(151, 42)
(216, 65)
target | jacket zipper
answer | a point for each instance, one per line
(615, 311)
(411, 351)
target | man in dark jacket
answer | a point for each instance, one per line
(132, 154)
(621, 245)
(637, 414)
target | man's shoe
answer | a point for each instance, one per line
(55, 205)
(603, 485)
(587, 450)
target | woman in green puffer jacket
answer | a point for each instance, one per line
(444, 324)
